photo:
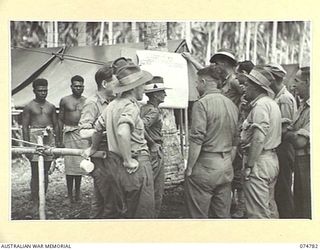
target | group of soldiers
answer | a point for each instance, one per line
(247, 137)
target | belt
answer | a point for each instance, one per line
(222, 154)
(302, 151)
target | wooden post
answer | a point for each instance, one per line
(42, 195)
(188, 35)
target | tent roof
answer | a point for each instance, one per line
(27, 65)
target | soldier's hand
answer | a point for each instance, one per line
(188, 171)
(186, 55)
(247, 171)
(156, 148)
(86, 153)
(131, 165)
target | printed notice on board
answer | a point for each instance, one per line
(173, 68)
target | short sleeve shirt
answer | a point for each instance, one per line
(152, 119)
(124, 110)
(287, 104)
(265, 115)
(302, 122)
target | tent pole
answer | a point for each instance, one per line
(181, 131)
(186, 129)
(42, 195)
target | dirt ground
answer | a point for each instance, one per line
(57, 204)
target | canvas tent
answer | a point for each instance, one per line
(58, 65)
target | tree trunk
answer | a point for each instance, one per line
(110, 33)
(82, 32)
(56, 34)
(156, 39)
(216, 38)
(241, 40)
(301, 43)
(101, 34)
(50, 35)
(274, 41)
(188, 35)
(255, 37)
(135, 32)
(208, 55)
(267, 48)
(287, 55)
(156, 36)
(248, 41)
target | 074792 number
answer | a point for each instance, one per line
(308, 245)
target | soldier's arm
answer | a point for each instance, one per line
(256, 147)
(25, 124)
(149, 118)
(197, 135)
(192, 60)
(87, 119)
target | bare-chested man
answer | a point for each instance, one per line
(69, 116)
(40, 116)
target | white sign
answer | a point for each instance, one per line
(173, 68)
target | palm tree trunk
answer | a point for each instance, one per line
(248, 36)
(56, 34)
(50, 35)
(156, 39)
(188, 35)
(110, 32)
(135, 32)
(216, 29)
(255, 37)
(101, 34)
(274, 41)
(301, 43)
(82, 32)
(241, 40)
(208, 55)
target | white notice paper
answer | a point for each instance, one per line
(173, 68)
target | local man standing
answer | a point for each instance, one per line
(152, 119)
(209, 170)
(299, 136)
(102, 205)
(69, 116)
(39, 118)
(260, 136)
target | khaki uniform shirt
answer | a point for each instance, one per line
(124, 110)
(265, 115)
(152, 119)
(214, 122)
(287, 104)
